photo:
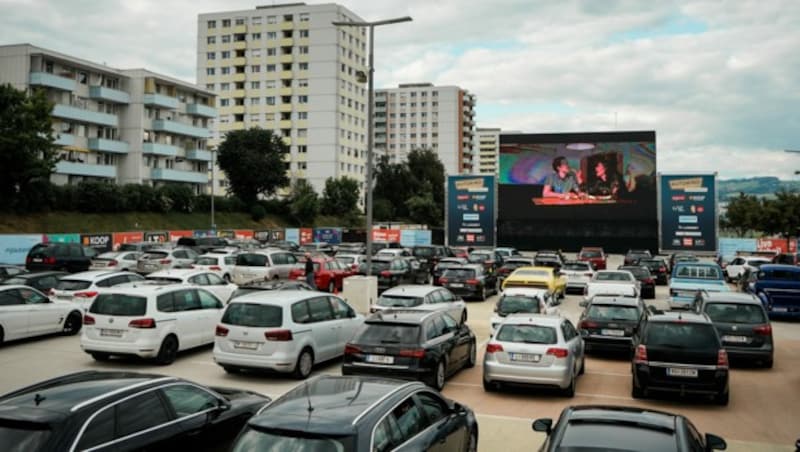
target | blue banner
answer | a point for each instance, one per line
(470, 210)
(688, 212)
(14, 248)
(292, 235)
(728, 247)
(331, 236)
(415, 237)
(63, 238)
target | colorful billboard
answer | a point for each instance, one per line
(688, 215)
(156, 237)
(14, 248)
(63, 238)
(332, 236)
(306, 236)
(470, 210)
(175, 235)
(100, 242)
(415, 237)
(386, 235)
(293, 235)
(121, 238)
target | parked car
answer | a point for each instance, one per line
(689, 278)
(619, 428)
(393, 252)
(221, 264)
(523, 300)
(680, 353)
(595, 256)
(632, 257)
(42, 281)
(139, 247)
(427, 346)
(647, 283)
(361, 414)
(509, 265)
(263, 264)
(329, 273)
(66, 257)
(352, 248)
(10, 271)
(202, 245)
(391, 272)
(271, 284)
(27, 312)
(778, 288)
(82, 288)
(469, 280)
(459, 251)
(741, 323)
(318, 248)
(541, 277)
(116, 261)
(208, 280)
(118, 410)
(553, 254)
(425, 298)
(158, 259)
(227, 250)
(444, 264)
(284, 245)
(658, 268)
(150, 321)
(612, 282)
(352, 261)
(735, 268)
(507, 252)
(490, 259)
(578, 274)
(609, 323)
(429, 255)
(283, 331)
(534, 349)
(676, 258)
(787, 259)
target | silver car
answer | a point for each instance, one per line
(533, 349)
(164, 259)
(262, 265)
(116, 261)
(424, 298)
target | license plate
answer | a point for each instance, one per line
(456, 285)
(110, 333)
(617, 333)
(736, 339)
(780, 309)
(245, 345)
(680, 372)
(380, 359)
(37, 259)
(525, 357)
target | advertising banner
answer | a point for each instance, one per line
(306, 236)
(14, 248)
(156, 236)
(63, 238)
(688, 217)
(203, 233)
(332, 236)
(278, 234)
(120, 238)
(175, 235)
(293, 235)
(778, 245)
(386, 235)
(100, 242)
(470, 210)
(415, 237)
(243, 234)
(262, 235)
(226, 234)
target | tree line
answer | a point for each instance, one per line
(778, 216)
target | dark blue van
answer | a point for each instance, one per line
(778, 287)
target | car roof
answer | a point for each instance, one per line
(93, 275)
(413, 290)
(572, 262)
(466, 267)
(349, 255)
(39, 274)
(532, 268)
(177, 273)
(400, 316)
(602, 413)
(684, 316)
(278, 297)
(533, 319)
(615, 300)
(731, 297)
(145, 288)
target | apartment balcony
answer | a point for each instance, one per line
(198, 154)
(109, 95)
(64, 139)
(81, 115)
(239, 77)
(160, 100)
(285, 91)
(287, 25)
(286, 74)
(172, 175)
(238, 29)
(239, 61)
(285, 124)
(237, 93)
(379, 109)
(104, 145)
(301, 124)
(85, 169)
(380, 129)
(166, 150)
(286, 42)
(201, 110)
(164, 125)
(237, 110)
(288, 58)
(240, 45)
(51, 81)
(285, 108)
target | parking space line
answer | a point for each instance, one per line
(610, 374)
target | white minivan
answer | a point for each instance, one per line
(150, 321)
(284, 331)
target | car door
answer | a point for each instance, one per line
(44, 316)
(455, 306)
(324, 328)
(212, 308)
(406, 424)
(348, 322)
(202, 419)
(284, 263)
(574, 342)
(13, 315)
(441, 431)
(444, 340)
(189, 318)
(463, 339)
(221, 288)
(734, 269)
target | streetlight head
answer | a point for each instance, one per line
(376, 23)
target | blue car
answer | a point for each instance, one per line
(778, 288)
(689, 278)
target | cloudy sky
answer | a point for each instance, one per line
(718, 81)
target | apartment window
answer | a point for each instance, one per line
(255, 36)
(224, 102)
(413, 94)
(434, 104)
(270, 68)
(211, 55)
(225, 70)
(302, 99)
(302, 149)
(302, 115)
(254, 118)
(288, 18)
(255, 68)
(255, 53)
(256, 20)
(226, 39)
(270, 84)
(211, 40)
(272, 52)
(226, 23)
(240, 21)
(270, 100)
(209, 71)
(211, 24)
(224, 86)
(210, 86)
(255, 85)
(302, 83)
(403, 125)
(272, 19)
(301, 165)
(255, 101)
(304, 17)
(272, 35)
(269, 117)
(302, 133)
(303, 50)
(303, 66)
(303, 33)
(413, 104)
(225, 54)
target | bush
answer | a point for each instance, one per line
(64, 198)
(36, 197)
(98, 197)
(137, 198)
(257, 212)
(178, 197)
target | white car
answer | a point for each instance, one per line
(393, 252)
(612, 282)
(155, 321)
(284, 331)
(116, 261)
(735, 269)
(82, 288)
(229, 250)
(164, 258)
(205, 279)
(264, 264)
(221, 264)
(525, 300)
(352, 261)
(425, 298)
(578, 274)
(26, 312)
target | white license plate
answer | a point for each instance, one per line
(456, 285)
(380, 359)
(780, 309)
(680, 372)
(64, 297)
(245, 345)
(37, 259)
(525, 357)
(617, 333)
(736, 339)
(110, 333)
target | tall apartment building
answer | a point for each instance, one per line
(421, 115)
(486, 150)
(125, 126)
(286, 68)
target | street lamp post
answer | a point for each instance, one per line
(213, 189)
(370, 140)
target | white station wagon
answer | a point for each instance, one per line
(26, 312)
(83, 287)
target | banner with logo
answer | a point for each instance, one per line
(277, 234)
(203, 233)
(415, 237)
(14, 248)
(332, 236)
(243, 234)
(120, 238)
(471, 213)
(226, 234)
(100, 242)
(687, 212)
(175, 235)
(156, 237)
(63, 238)
(293, 235)
(778, 245)
(386, 235)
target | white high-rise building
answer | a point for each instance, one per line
(486, 150)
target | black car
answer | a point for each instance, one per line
(202, 245)
(608, 322)
(66, 257)
(658, 268)
(645, 278)
(510, 264)
(429, 255)
(548, 261)
(425, 346)
(622, 428)
(633, 256)
(41, 281)
(679, 353)
(391, 272)
(469, 281)
(444, 264)
(123, 411)
(742, 325)
(361, 414)
(272, 284)
(490, 259)
(9, 271)
(420, 273)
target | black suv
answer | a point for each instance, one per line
(42, 281)
(412, 345)
(430, 255)
(68, 257)
(123, 411)
(633, 256)
(391, 272)
(681, 353)
(609, 323)
(658, 268)
(645, 278)
(359, 414)
(471, 280)
(623, 428)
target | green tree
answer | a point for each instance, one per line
(253, 161)
(422, 209)
(393, 186)
(27, 152)
(781, 215)
(303, 203)
(429, 175)
(744, 214)
(340, 196)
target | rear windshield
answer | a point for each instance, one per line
(638, 272)
(527, 334)
(254, 315)
(459, 273)
(298, 441)
(396, 301)
(153, 255)
(42, 250)
(613, 312)
(207, 261)
(681, 335)
(128, 247)
(698, 272)
(252, 260)
(613, 276)
(72, 284)
(612, 436)
(444, 265)
(163, 279)
(576, 266)
(346, 260)
(591, 254)
(108, 256)
(117, 304)
(735, 313)
(22, 436)
(388, 333)
(380, 265)
(479, 257)
(511, 304)
(423, 252)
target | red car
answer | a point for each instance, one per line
(595, 256)
(459, 252)
(328, 273)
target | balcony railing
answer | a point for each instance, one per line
(172, 175)
(85, 169)
(166, 125)
(51, 81)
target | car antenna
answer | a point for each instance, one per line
(308, 398)
(38, 398)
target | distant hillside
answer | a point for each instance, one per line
(759, 186)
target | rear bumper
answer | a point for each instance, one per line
(747, 353)
(597, 342)
(469, 291)
(708, 386)
(494, 371)
(282, 362)
(147, 348)
(398, 372)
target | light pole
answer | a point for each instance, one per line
(370, 94)
(213, 189)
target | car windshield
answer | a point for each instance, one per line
(612, 312)
(118, 304)
(252, 260)
(590, 254)
(527, 334)
(681, 335)
(423, 252)
(253, 315)
(388, 333)
(207, 261)
(735, 313)
(380, 265)
(613, 276)
(399, 301)
(607, 435)
(576, 266)
(108, 256)
(164, 279)
(17, 436)
(72, 284)
(698, 272)
(297, 441)
(478, 257)
(15, 282)
(511, 304)
(459, 273)
(638, 272)
(128, 247)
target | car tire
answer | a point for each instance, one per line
(723, 398)
(439, 375)
(73, 324)
(231, 370)
(637, 392)
(472, 358)
(483, 294)
(583, 364)
(168, 351)
(2, 335)
(488, 386)
(569, 391)
(473, 441)
(464, 317)
(766, 364)
(331, 287)
(101, 357)
(227, 278)
(304, 365)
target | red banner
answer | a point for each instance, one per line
(175, 235)
(243, 234)
(386, 235)
(127, 237)
(306, 236)
(777, 245)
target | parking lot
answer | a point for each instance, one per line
(762, 415)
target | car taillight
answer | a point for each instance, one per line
(193, 266)
(418, 353)
(113, 263)
(472, 282)
(492, 348)
(90, 294)
(278, 335)
(51, 291)
(50, 260)
(215, 268)
(142, 323)
(558, 352)
(586, 325)
(588, 274)
(351, 350)
(386, 274)
(722, 359)
(763, 330)
(221, 331)
(165, 261)
(648, 281)
(442, 280)
(662, 269)
(641, 355)
(88, 320)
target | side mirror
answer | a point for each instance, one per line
(714, 442)
(543, 425)
(583, 304)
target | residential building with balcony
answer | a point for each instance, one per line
(424, 116)
(486, 150)
(122, 126)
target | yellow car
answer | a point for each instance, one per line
(541, 277)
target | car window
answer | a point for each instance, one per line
(449, 323)
(180, 254)
(340, 309)
(278, 259)
(165, 302)
(254, 315)
(130, 257)
(200, 280)
(72, 284)
(100, 430)
(215, 280)
(681, 335)
(511, 304)
(435, 297)
(387, 435)
(529, 334)
(140, 413)
(75, 251)
(119, 304)
(735, 313)
(104, 283)
(208, 301)
(46, 283)
(434, 328)
(612, 312)
(447, 296)
(387, 333)
(206, 261)
(186, 300)
(409, 419)
(320, 309)
(187, 400)
(300, 312)
(230, 260)
(433, 407)
(252, 260)
(10, 298)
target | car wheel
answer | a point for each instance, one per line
(488, 386)
(473, 355)
(722, 399)
(569, 391)
(231, 370)
(227, 278)
(464, 317)
(483, 293)
(168, 351)
(331, 287)
(2, 335)
(72, 325)
(636, 391)
(767, 363)
(473, 441)
(305, 362)
(439, 375)
(101, 356)
(583, 365)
